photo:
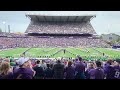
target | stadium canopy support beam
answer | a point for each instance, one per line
(45, 18)
(83, 19)
(38, 19)
(75, 18)
(67, 19)
(52, 18)
(60, 18)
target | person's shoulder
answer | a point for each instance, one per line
(92, 70)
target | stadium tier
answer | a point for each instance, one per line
(54, 31)
(60, 24)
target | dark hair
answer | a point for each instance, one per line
(48, 65)
(110, 62)
(58, 61)
(38, 62)
(79, 58)
(98, 63)
(43, 61)
(69, 63)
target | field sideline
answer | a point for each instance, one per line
(86, 53)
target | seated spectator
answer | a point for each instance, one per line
(48, 72)
(25, 70)
(39, 71)
(69, 71)
(6, 72)
(58, 70)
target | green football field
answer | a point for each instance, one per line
(86, 53)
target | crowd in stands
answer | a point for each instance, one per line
(12, 40)
(60, 27)
(25, 68)
(7, 42)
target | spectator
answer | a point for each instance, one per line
(6, 72)
(117, 69)
(70, 71)
(90, 71)
(25, 70)
(39, 71)
(48, 72)
(58, 70)
(43, 65)
(80, 69)
(109, 70)
(99, 72)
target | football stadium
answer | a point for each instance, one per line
(65, 38)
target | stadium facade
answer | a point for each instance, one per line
(56, 31)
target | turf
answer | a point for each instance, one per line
(86, 53)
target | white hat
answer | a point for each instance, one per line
(22, 60)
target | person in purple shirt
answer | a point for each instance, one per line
(109, 70)
(90, 71)
(79, 69)
(69, 71)
(117, 69)
(98, 72)
(25, 70)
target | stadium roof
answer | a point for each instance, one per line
(75, 18)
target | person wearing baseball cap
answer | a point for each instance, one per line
(25, 70)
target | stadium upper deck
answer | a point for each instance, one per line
(60, 24)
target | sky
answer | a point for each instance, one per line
(104, 22)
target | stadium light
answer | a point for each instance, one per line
(4, 24)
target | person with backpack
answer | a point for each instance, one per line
(25, 70)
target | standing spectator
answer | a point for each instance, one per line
(117, 69)
(25, 70)
(80, 69)
(90, 71)
(48, 72)
(58, 70)
(70, 71)
(109, 70)
(6, 72)
(39, 71)
(99, 72)
(43, 65)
